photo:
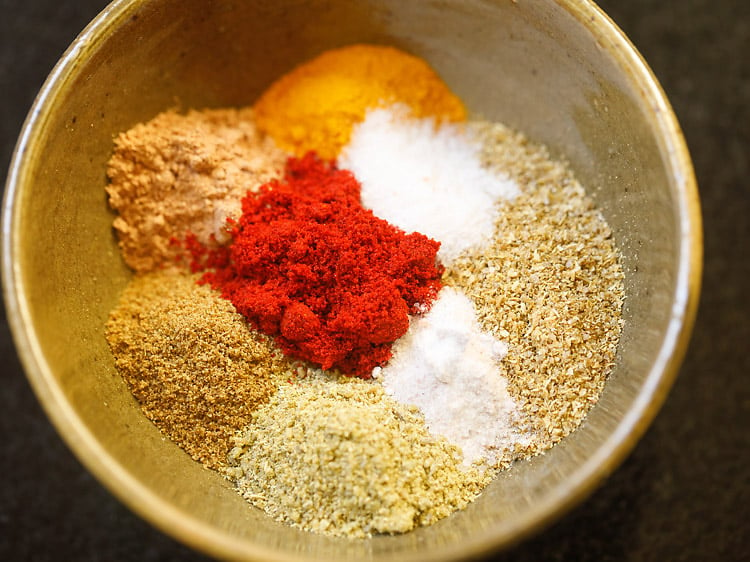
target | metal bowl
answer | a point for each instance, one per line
(558, 70)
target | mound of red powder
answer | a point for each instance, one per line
(308, 265)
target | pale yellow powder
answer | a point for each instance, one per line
(339, 456)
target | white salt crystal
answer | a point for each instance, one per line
(448, 367)
(425, 179)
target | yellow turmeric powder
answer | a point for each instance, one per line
(315, 106)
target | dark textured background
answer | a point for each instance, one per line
(683, 494)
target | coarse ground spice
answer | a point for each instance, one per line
(179, 173)
(549, 284)
(314, 106)
(192, 362)
(339, 457)
(331, 282)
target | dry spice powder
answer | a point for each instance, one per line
(314, 106)
(192, 362)
(308, 265)
(335, 285)
(550, 284)
(340, 457)
(179, 173)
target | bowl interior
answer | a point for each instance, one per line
(558, 71)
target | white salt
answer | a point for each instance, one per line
(448, 367)
(425, 179)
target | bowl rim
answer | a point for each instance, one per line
(200, 535)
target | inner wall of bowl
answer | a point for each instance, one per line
(529, 64)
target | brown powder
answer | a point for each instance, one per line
(180, 173)
(192, 362)
(549, 284)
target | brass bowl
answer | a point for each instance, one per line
(559, 70)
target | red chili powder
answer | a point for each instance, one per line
(307, 264)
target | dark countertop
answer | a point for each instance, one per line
(684, 492)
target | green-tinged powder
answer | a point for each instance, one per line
(340, 457)
(192, 362)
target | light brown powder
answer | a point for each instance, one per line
(180, 173)
(549, 284)
(192, 362)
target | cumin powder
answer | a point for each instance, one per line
(196, 368)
